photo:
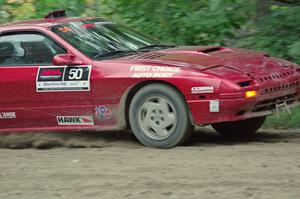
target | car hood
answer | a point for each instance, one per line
(203, 58)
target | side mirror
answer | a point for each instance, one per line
(66, 59)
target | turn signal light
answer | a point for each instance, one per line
(250, 94)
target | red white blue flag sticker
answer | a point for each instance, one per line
(103, 112)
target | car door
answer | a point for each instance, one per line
(34, 93)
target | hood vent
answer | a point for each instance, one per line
(152, 55)
(212, 49)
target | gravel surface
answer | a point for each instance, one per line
(114, 165)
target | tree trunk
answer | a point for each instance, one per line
(263, 8)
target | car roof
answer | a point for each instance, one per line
(46, 23)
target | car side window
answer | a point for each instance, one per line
(28, 49)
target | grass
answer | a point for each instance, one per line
(285, 121)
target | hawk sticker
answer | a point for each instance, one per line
(75, 120)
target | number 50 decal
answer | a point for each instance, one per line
(75, 73)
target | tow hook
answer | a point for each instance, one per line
(280, 105)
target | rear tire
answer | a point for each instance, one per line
(159, 117)
(239, 129)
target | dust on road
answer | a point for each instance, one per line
(115, 165)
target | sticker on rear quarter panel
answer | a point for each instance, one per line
(62, 79)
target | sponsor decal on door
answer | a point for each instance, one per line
(60, 79)
(75, 120)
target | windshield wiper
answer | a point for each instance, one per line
(113, 53)
(104, 55)
(156, 46)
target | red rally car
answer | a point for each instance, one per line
(69, 74)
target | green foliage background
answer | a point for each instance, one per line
(267, 25)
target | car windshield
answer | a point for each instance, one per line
(100, 39)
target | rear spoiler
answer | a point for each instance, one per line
(56, 14)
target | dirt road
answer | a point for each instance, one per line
(114, 165)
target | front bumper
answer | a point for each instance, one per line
(234, 107)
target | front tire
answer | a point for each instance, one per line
(159, 117)
(239, 129)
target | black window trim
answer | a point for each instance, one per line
(28, 31)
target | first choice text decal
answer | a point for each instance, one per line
(153, 71)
